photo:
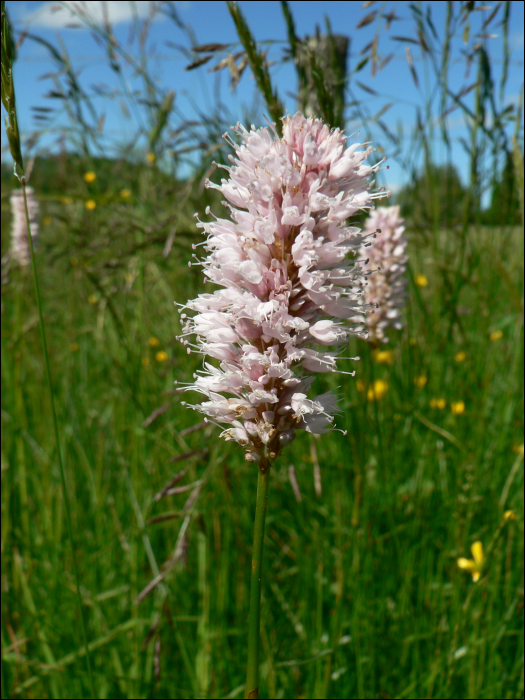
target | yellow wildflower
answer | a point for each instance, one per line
(377, 391)
(161, 356)
(92, 298)
(145, 361)
(457, 407)
(47, 220)
(66, 200)
(518, 449)
(461, 356)
(150, 157)
(384, 357)
(125, 193)
(90, 176)
(74, 347)
(153, 342)
(90, 204)
(361, 386)
(473, 566)
(421, 280)
(509, 515)
(496, 335)
(438, 403)
(420, 381)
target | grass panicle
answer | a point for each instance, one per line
(258, 64)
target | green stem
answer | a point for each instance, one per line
(57, 440)
(20, 411)
(252, 674)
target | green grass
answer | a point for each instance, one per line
(362, 596)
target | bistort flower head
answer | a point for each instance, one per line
(386, 289)
(19, 238)
(287, 285)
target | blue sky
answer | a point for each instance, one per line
(211, 22)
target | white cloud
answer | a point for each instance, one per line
(517, 40)
(394, 187)
(53, 15)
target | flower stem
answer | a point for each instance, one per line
(252, 675)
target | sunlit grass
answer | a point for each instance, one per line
(370, 590)
(364, 595)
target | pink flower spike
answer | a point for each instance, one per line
(386, 289)
(289, 276)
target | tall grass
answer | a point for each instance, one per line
(363, 597)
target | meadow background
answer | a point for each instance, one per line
(362, 596)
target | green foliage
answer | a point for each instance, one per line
(54, 174)
(436, 197)
(362, 596)
(517, 155)
(505, 205)
(137, 207)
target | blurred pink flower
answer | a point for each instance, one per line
(19, 239)
(386, 289)
(286, 284)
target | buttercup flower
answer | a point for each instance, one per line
(19, 239)
(421, 280)
(377, 391)
(461, 356)
(496, 335)
(475, 565)
(161, 356)
(420, 381)
(361, 386)
(457, 407)
(384, 357)
(386, 289)
(438, 403)
(90, 176)
(287, 287)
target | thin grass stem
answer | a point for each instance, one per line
(20, 409)
(252, 673)
(9, 101)
(57, 438)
